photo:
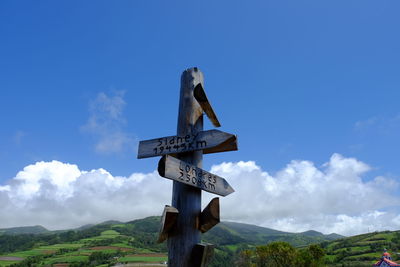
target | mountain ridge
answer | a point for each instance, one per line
(229, 238)
(35, 229)
(242, 230)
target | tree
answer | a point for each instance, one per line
(312, 256)
(244, 259)
(276, 254)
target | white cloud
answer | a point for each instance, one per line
(301, 196)
(106, 123)
(59, 195)
(333, 198)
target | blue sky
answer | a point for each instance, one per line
(295, 80)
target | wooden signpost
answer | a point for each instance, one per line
(181, 162)
(211, 141)
(178, 170)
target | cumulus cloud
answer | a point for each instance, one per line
(106, 122)
(331, 198)
(59, 195)
(334, 198)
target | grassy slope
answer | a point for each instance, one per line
(230, 233)
(139, 235)
(109, 241)
(363, 250)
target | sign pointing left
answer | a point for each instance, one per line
(175, 169)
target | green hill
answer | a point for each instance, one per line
(134, 241)
(362, 250)
(223, 233)
(24, 230)
(231, 233)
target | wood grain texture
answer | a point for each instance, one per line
(168, 220)
(201, 97)
(209, 217)
(178, 170)
(211, 141)
(187, 199)
(202, 254)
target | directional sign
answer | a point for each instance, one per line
(168, 220)
(209, 217)
(201, 97)
(211, 141)
(175, 169)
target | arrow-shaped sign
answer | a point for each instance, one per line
(168, 220)
(201, 97)
(211, 141)
(177, 170)
(209, 217)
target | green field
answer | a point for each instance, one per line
(7, 263)
(108, 245)
(362, 250)
(65, 259)
(134, 242)
(24, 254)
(128, 259)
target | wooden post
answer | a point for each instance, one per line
(187, 199)
(202, 255)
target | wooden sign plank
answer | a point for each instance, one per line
(211, 141)
(177, 170)
(201, 97)
(168, 220)
(209, 217)
(202, 255)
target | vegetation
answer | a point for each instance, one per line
(361, 250)
(274, 254)
(25, 230)
(236, 245)
(227, 233)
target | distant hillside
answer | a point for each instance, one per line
(223, 234)
(110, 222)
(334, 236)
(362, 250)
(139, 236)
(37, 229)
(227, 233)
(83, 227)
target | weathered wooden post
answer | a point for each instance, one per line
(187, 199)
(181, 162)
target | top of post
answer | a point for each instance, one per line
(190, 110)
(192, 83)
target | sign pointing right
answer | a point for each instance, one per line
(178, 170)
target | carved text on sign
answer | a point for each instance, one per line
(175, 144)
(178, 170)
(210, 141)
(197, 176)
